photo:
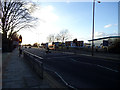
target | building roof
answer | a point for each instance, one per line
(105, 38)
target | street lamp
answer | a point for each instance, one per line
(93, 26)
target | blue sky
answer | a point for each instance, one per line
(77, 18)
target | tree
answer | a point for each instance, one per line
(57, 37)
(15, 37)
(16, 16)
(36, 45)
(64, 35)
(51, 38)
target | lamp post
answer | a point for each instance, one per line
(93, 26)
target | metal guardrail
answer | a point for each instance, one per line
(35, 61)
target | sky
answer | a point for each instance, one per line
(74, 16)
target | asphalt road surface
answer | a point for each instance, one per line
(81, 71)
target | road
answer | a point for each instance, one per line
(81, 71)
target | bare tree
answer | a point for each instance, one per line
(64, 35)
(16, 16)
(51, 38)
(15, 37)
(36, 45)
(57, 37)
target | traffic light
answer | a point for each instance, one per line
(20, 39)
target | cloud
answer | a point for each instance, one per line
(113, 34)
(45, 25)
(102, 34)
(72, 0)
(107, 26)
(115, 24)
(46, 14)
(68, 1)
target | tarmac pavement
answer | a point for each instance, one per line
(0, 69)
(18, 74)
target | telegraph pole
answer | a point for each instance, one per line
(93, 26)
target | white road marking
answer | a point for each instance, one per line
(68, 52)
(81, 62)
(77, 61)
(107, 68)
(60, 57)
(33, 54)
(95, 56)
(85, 54)
(60, 77)
(96, 65)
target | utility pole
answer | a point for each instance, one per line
(93, 26)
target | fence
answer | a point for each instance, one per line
(36, 62)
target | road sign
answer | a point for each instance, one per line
(105, 42)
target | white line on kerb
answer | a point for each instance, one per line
(108, 68)
(33, 54)
(64, 80)
(60, 77)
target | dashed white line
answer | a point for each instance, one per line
(107, 68)
(85, 54)
(81, 62)
(96, 65)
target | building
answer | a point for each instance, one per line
(80, 43)
(108, 43)
(69, 44)
(55, 45)
(76, 44)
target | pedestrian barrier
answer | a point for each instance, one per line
(36, 62)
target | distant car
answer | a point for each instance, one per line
(25, 47)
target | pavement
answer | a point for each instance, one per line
(18, 74)
(0, 69)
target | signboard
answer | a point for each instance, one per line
(81, 43)
(105, 42)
